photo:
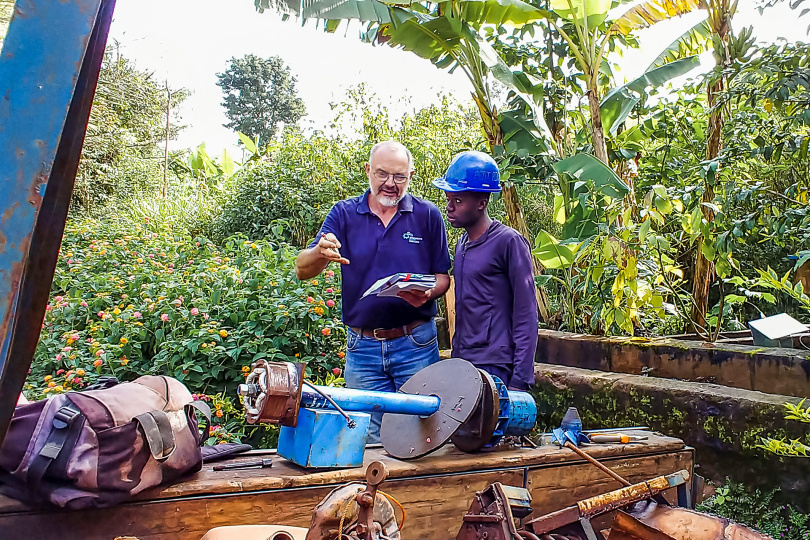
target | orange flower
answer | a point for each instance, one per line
(341, 354)
(98, 362)
(219, 413)
(326, 331)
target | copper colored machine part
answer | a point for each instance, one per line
(272, 392)
(376, 473)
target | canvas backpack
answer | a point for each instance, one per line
(103, 445)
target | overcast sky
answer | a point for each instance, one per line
(189, 41)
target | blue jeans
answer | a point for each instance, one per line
(385, 365)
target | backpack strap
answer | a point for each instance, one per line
(66, 425)
(157, 429)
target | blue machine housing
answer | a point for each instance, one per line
(517, 413)
(322, 439)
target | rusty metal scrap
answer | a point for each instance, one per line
(601, 504)
(685, 524)
(356, 511)
(493, 512)
(621, 497)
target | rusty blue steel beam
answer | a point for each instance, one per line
(49, 68)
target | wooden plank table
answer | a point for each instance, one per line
(435, 490)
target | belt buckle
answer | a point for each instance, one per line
(374, 334)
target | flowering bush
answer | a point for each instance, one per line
(128, 302)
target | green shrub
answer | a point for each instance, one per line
(288, 197)
(757, 509)
(135, 302)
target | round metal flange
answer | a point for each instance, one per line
(458, 385)
(477, 431)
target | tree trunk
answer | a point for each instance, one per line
(598, 136)
(704, 268)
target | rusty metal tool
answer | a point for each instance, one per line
(260, 464)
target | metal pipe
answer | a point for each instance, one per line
(350, 399)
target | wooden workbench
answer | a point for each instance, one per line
(435, 490)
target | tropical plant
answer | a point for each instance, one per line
(259, 96)
(794, 448)
(608, 276)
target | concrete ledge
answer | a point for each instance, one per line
(771, 370)
(724, 424)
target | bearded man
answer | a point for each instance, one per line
(383, 232)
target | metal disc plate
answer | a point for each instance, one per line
(476, 432)
(458, 384)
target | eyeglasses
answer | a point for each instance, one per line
(383, 176)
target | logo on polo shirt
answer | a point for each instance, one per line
(411, 238)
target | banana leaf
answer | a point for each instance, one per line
(551, 253)
(586, 168)
(694, 41)
(654, 11)
(618, 103)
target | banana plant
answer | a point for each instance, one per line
(448, 35)
(589, 39)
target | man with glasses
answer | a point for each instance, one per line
(383, 232)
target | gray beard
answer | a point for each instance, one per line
(388, 201)
(385, 200)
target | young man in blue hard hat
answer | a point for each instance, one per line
(496, 307)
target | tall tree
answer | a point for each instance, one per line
(720, 15)
(123, 150)
(260, 95)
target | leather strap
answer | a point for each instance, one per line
(383, 334)
(157, 429)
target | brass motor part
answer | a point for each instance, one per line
(272, 392)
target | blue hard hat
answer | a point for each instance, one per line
(471, 171)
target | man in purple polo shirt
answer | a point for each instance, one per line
(496, 307)
(383, 232)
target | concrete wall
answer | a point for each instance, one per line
(725, 425)
(770, 370)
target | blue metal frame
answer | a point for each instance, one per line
(48, 73)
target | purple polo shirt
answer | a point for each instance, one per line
(496, 307)
(414, 241)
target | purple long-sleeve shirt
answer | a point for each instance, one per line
(496, 307)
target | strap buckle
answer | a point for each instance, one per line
(64, 417)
